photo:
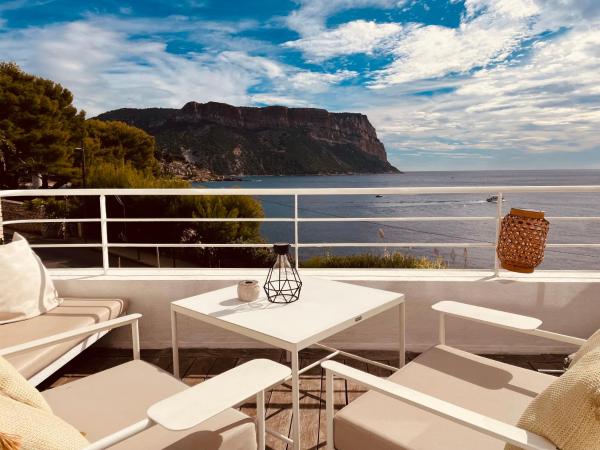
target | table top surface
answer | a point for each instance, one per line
(324, 308)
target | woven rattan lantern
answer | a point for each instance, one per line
(522, 240)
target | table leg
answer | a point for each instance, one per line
(174, 344)
(295, 400)
(402, 334)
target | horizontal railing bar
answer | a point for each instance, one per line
(312, 245)
(194, 245)
(66, 245)
(286, 219)
(393, 219)
(399, 244)
(203, 219)
(24, 221)
(573, 245)
(574, 218)
(303, 191)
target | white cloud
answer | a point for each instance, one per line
(489, 32)
(316, 82)
(283, 100)
(253, 64)
(358, 36)
(547, 104)
(312, 15)
(105, 68)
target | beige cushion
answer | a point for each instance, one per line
(15, 386)
(70, 315)
(26, 417)
(37, 429)
(568, 412)
(27, 290)
(593, 343)
(113, 399)
(489, 387)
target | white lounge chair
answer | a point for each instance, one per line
(137, 405)
(446, 399)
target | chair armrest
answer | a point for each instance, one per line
(484, 424)
(501, 319)
(192, 406)
(486, 315)
(68, 335)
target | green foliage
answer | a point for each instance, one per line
(105, 175)
(38, 120)
(395, 260)
(125, 175)
(119, 143)
(40, 130)
(54, 208)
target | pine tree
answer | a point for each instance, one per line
(118, 143)
(39, 121)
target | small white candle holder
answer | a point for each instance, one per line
(248, 290)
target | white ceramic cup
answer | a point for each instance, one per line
(248, 290)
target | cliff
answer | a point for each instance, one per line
(275, 140)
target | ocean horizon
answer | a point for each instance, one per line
(378, 231)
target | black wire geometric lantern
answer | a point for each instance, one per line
(283, 282)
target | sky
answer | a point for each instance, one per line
(448, 84)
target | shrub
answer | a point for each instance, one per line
(395, 260)
(111, 175)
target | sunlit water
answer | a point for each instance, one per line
(584, 204)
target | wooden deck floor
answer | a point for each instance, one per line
(199, 364)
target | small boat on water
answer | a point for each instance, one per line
(493, 199)
(379, 196)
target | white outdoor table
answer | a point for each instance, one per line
(324, 309)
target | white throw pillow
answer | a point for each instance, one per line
(26, 289)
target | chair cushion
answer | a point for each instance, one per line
(26, 418)
(568, 412)
(115, 398)
(34, 428)
(72, 314)
(592, 344)
(27, 290)
(480, 384)
(14, 385)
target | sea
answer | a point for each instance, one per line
(380, 207)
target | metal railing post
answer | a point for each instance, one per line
(498, 224)
(296, 230)
(1, 224)
(104, 233)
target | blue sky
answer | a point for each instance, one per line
(448, 84)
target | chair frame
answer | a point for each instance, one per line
(479, 422)
(173, 413)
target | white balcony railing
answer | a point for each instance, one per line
(295, 193)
